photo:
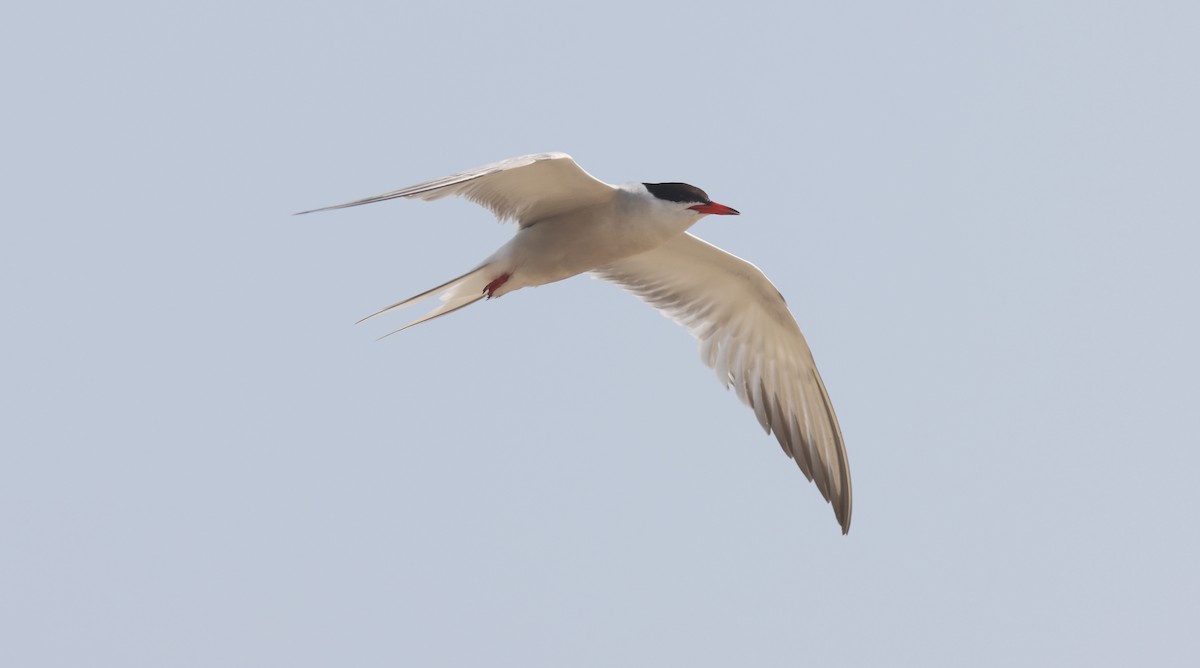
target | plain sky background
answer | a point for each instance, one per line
(984, 216)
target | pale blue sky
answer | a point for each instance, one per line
(984, 216)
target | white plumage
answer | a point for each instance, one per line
(635, 235)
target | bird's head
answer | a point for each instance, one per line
(687, 199)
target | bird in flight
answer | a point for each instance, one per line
(636, 235)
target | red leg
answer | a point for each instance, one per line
(495, 284)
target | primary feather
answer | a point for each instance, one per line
(747, 335)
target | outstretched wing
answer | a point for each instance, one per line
(748, 336)
(525, 189)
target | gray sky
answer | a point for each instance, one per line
(984, 216)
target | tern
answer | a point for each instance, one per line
(636, 235)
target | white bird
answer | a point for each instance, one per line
(635, 235)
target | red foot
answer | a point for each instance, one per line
(491, 288)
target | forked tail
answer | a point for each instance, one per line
(457, 293)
